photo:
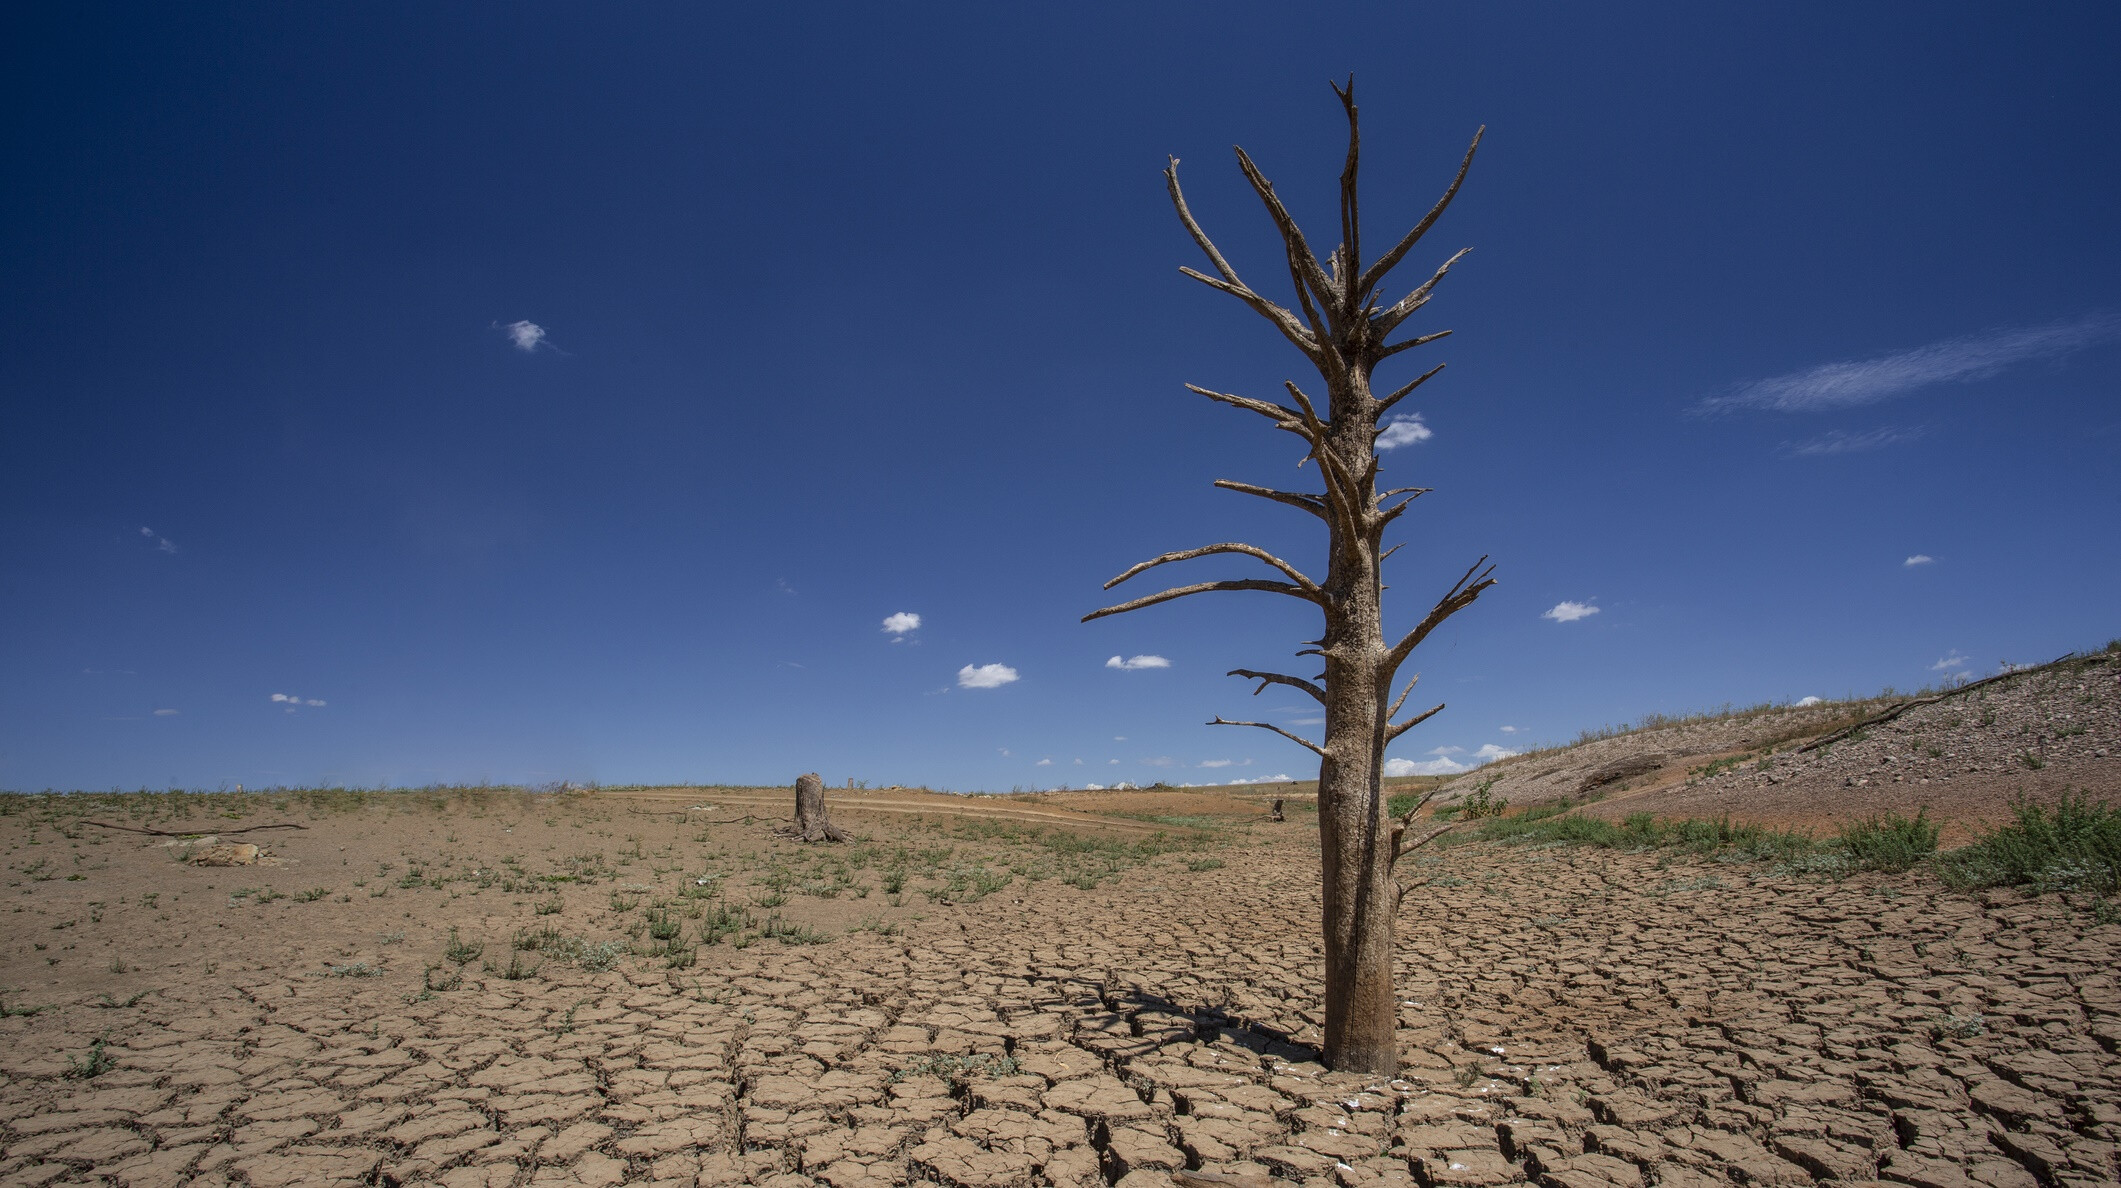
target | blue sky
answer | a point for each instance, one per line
(417, 393)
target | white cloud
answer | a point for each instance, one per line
(1133, 663)
(1805, 701)
(1408, 767)
(1043, 763)
(1078, 763)
(986, 676)
(1404, 431)
(283, 697)
(1509, 729)
(1307, 721)
(1160, 761)
(1569, 612)
(1955, 660)
(1005, 752)
(1918, 559)
(1119, 738)
(1123, 786)
(1218, 763)
(1093, 787)
(527, 336)
(162, 543)
(312, 701)
(900, 623)
(1277, 777)
(1444, 764)
(1837, 442)
(165, 713)
(1963, 360)
(292, 701)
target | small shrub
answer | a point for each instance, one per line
(94, 1064)
(2075, 845)
(357, 969)
(440, 977)
(312, 895)
(789, 933)
(1200, 864)
(1482, 804)
(463, 952)
(1891, 842)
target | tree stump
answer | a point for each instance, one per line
(1277, 810)
(811, 823)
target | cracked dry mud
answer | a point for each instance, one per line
(1570, 1017)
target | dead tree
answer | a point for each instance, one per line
(811, 822)
(1341, 325)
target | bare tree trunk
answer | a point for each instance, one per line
(1342, 331)
(811, 823)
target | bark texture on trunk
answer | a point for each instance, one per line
(811, 822)
(1342, 329)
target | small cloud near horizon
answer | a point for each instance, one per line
(1953, 360)
(1568, 612)
(1805, 701)
(985, 676)
(1918, 559)
(1404, 431)
(1954, 660)
(1136, 663)
(1444, 764)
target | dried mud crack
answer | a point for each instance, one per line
(1570, 1017)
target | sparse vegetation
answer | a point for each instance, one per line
(1889, 842)
(2075, 845)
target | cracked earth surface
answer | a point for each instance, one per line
(1570, 1017)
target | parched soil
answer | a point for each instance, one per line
(1569, 1017)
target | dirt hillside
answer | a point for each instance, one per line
(1964, 756)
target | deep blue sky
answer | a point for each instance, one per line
(858, 310)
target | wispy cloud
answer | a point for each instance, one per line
(1918, 559)
(1404, 431)
(1569, 612)
(1509, 729)
(1955, 360)
(1133, 663)
(1043, 763)
(897, 625)
(1837, 442)
(162, 543)
(985, 676)
(1954, 660)
(165, 713)
(526, 336)
(292, 701)
(781, 585)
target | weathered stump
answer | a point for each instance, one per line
(1277, 810)
(811, 823)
